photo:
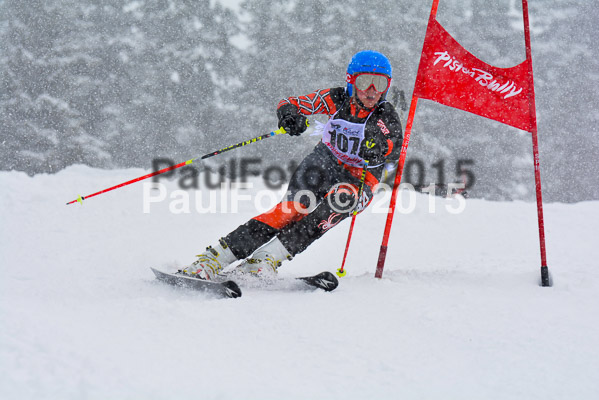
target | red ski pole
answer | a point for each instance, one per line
(341, 272)
(279, 131)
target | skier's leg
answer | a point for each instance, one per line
(211, 262)
(308, 185)
(295, 237)
(339, 204)
(266, 260)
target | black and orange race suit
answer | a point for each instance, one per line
(322, 185)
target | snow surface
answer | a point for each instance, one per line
(458, 314)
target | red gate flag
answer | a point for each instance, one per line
(452, 76)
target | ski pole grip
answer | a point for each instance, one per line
(282, 130)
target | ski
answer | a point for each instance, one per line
(225, 287)
(222, 289)
(325, 281)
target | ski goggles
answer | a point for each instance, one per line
(366, 80)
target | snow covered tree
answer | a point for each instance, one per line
(117, 83)
(42, 128)
(183, 71)
(113, 84)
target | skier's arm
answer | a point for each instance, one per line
(323, 101)
(383, 137)
(292, 111)
(392, 124)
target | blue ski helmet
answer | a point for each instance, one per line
(368, 61)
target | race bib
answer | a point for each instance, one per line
(344, 138)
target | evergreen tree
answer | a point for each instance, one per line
(42, 129)
(113, 84)
(184, 70)
(117, 83)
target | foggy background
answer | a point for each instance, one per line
(116, 84)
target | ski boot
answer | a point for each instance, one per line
(211, 262)
(265, 261)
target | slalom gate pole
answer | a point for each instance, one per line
(402, 159)
(341, 272)
(380, 265)
(546, 279)
(279, 131)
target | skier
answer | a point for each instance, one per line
(323, 189)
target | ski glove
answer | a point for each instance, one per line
(289, 119)
(374, 150)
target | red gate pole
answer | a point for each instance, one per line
(402, 158)
(380, 265)
(545, 277)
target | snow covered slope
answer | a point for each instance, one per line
(458, 314)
